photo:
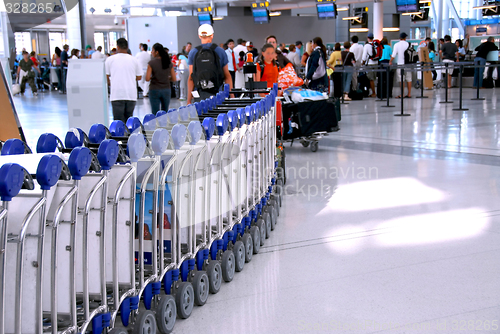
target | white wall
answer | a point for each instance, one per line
(160, 30)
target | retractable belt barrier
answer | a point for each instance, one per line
(419, 67)
(128, 227)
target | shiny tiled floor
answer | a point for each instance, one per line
(391, 227)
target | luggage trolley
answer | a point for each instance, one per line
(190, 263)
(25, 240)
(179, 298)
(60, 304)
(13, 178)
(229, 205)
(218, 240)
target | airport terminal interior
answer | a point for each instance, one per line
(387, 224)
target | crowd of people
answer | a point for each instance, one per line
(200, 71)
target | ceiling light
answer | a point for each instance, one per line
(342, 9)
(218, 18)
(275, 14)
(411, 13)
(424, 1)
(358, 30)
(485, 7)
(390, 29)
(350, 17)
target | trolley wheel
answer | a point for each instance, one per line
(166, 313)
(267, 219)
(228, 265)
(201, 288)
(273, 214)
(261, 224)
(145, 323)
(214, 272)
(255, 233)
(184, 299)
(275, 204)
(239, 250)
(248, 242)
(118, 331)
(279, 191)
(314, 146)
(305, 143)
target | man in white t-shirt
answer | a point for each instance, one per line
(144, 57)
(239, 77)
(123, 72)
(367, 53)
(399, 53)
(98, 53)
(357, 50)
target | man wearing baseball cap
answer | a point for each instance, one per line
(253, 50)
(208, 69)
(367, 54)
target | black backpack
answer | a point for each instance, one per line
(411, 55)
(207, 74)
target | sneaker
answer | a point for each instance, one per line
(347, 98)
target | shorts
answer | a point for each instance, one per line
(407, 76)
(449, 66)
(372, 76)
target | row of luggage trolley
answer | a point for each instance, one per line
(127, 228)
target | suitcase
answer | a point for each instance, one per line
(356, 95)
(364, 84)
(304, 119)
(488, 83)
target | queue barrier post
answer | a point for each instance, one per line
(446, 86)
(402, 94)
(387, 75)
(460, 107)
(477, 98)
(422, 84)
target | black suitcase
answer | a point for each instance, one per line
(364, 84)
(356, 95)
(304, 119)
(488, 83)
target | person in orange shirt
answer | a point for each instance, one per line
(267, 69)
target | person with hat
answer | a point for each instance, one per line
(208, 67)
(89, 51)
(253, 50)
(368, 53)
(399, 53)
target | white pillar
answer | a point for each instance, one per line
(479, 12)
(378, 19)
(73, 28)
(438, 23)
(446, 20)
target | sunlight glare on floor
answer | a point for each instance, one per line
(383, 194)
(408, 231)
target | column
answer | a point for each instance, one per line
(342, 27)
(479, 12)
(446, 19)
(438, 23)
(378, 19)
(73, 30)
